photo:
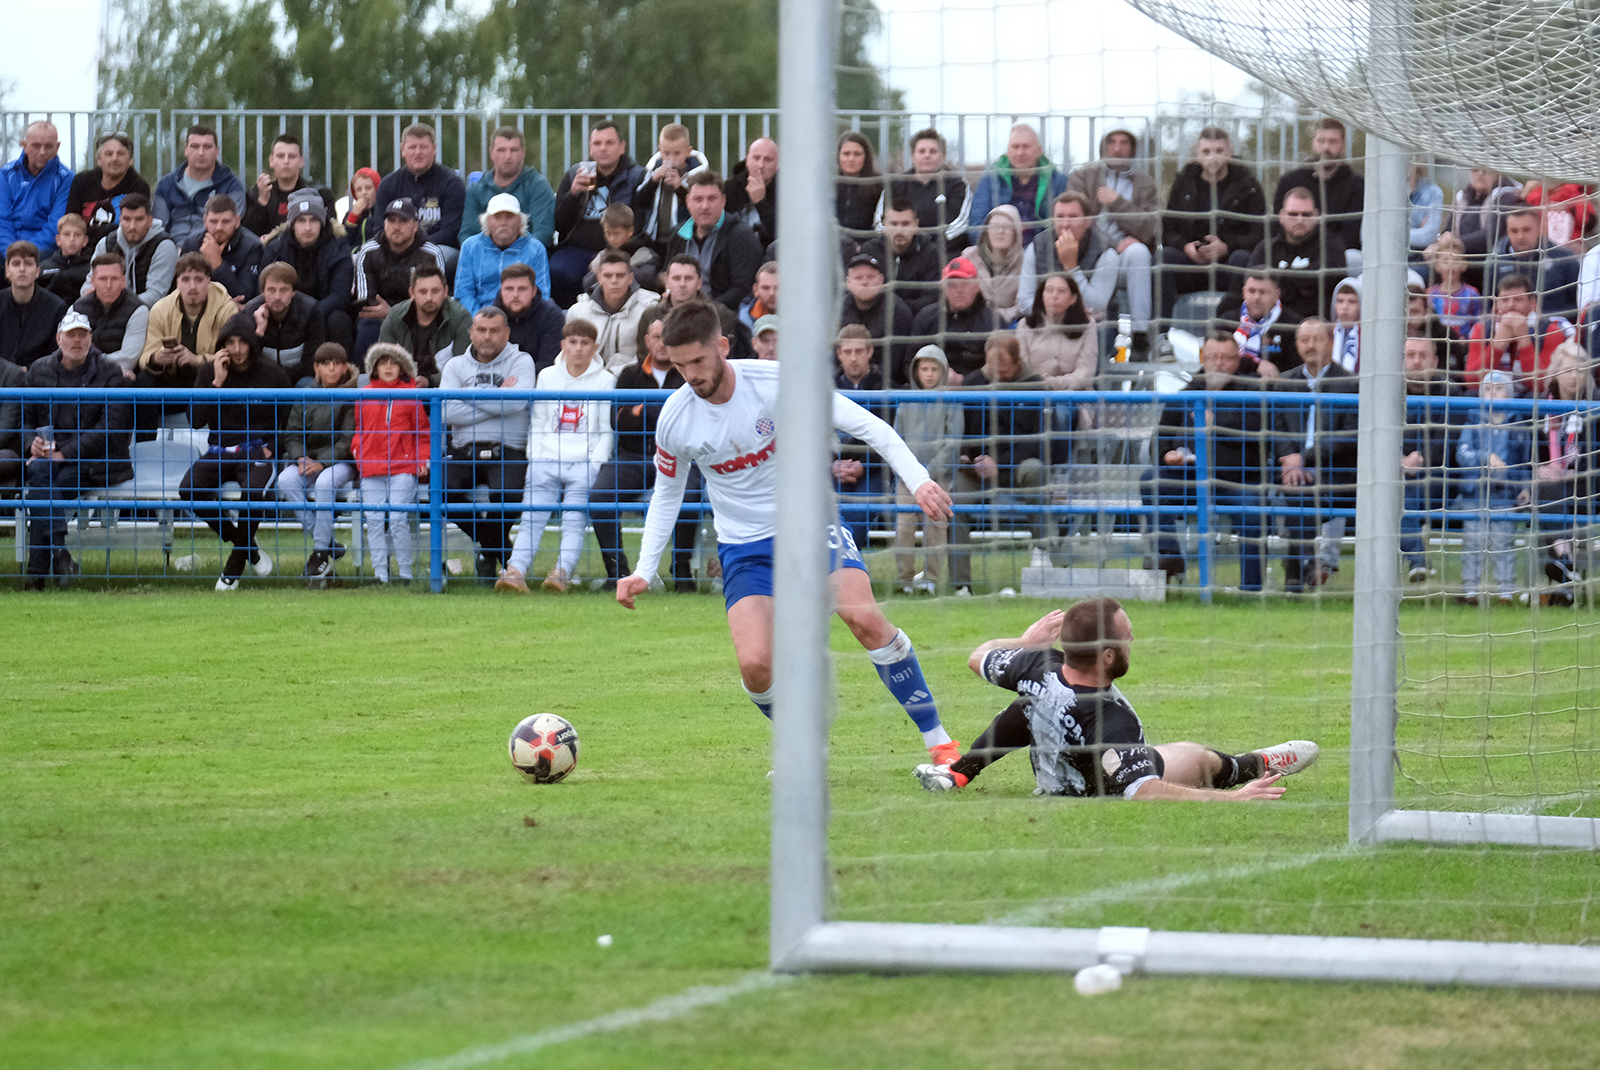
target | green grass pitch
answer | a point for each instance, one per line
(278, 829)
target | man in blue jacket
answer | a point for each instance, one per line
(182, 196)
(1023, 177)
(33, 191)
(503, 241)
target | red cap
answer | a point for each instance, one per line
(961, 268)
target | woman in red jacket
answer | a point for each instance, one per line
(391, 448)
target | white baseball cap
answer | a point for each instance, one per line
(503, 202)
(74, 321)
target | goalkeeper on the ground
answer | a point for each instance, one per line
(1082, 734)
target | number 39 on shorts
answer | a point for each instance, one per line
(839, 537)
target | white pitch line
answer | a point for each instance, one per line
(662, 1010)
(1041, 912)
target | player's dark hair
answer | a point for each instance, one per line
(1087, 629)
(615, 256)
(519, 270)
(136, 202)
(1263, 275)
(902, 204)
(687, 261)
(693, 322)
(192, 263)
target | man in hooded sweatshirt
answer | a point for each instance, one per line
(614, 306)
(568, 442)
(243, 444)
(148, 253)
(488, 435)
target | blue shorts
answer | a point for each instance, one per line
(747, 566)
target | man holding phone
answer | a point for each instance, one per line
(609, 176)
(71, 444)
(182, 333)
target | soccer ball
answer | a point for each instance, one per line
(544, 748)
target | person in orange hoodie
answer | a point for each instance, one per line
(391, 449)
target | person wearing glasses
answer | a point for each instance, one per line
(96, 194)
(1307, 258)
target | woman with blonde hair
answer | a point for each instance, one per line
(1567, 475)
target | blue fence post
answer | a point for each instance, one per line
(1202, 484)
(436, 494)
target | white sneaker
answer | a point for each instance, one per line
(963, 591)
(186, 563)
(228, 583)
(926, 587)
(908, 589)
(1040, 558)
(1289, 758)
(263, 565)
(935, 777)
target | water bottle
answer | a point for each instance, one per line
(1124, 339)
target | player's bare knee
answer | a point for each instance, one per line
(868, 624)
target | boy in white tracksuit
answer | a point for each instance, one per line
(568, 441)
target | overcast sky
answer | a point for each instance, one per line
(1060, 57)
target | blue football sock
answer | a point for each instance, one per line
(763, 700)
(901, 673)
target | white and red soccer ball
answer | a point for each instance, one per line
(544, 748)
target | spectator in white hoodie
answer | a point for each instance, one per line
(568, 441)
(614, 306)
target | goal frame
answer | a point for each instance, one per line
(802, 939)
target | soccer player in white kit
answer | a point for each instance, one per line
(722, 420)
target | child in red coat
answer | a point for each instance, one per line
(391, 449)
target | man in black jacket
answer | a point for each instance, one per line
(910, 260)
(383, 269)
(939, 194)
(960, 323)
(631, 473)
(1003, 451)
(1307, 258)
(609, 176)
(885, 316)
(72, 445)
(1338, 192)
(1316, 451)
(1426, 447)
(752, 190)
(726, 248)
(244, 440)
(269, 203)
(234, 253)
(536, 321)
(437, 192)
(28, 312)
(288, 322)
(1263, 327)
(1234, 448)
(323, 268)
(1214, 210)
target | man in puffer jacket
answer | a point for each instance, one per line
(568, 441)
(318, 448)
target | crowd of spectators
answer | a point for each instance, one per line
(952, 279)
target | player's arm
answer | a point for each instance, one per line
(1265, 789)
(672, 478)
(854, 420)
(1041, 635)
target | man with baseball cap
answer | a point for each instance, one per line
(70, 444)
(503, 240)
(886, 317)
(961, 321)
(384, 265)
(765, 337)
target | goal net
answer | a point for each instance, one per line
(1331, 449)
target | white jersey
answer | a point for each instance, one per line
(735, 445)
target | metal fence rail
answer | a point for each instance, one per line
(339, 141)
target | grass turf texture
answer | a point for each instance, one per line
(279, 829)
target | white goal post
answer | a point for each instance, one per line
(802, 937)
